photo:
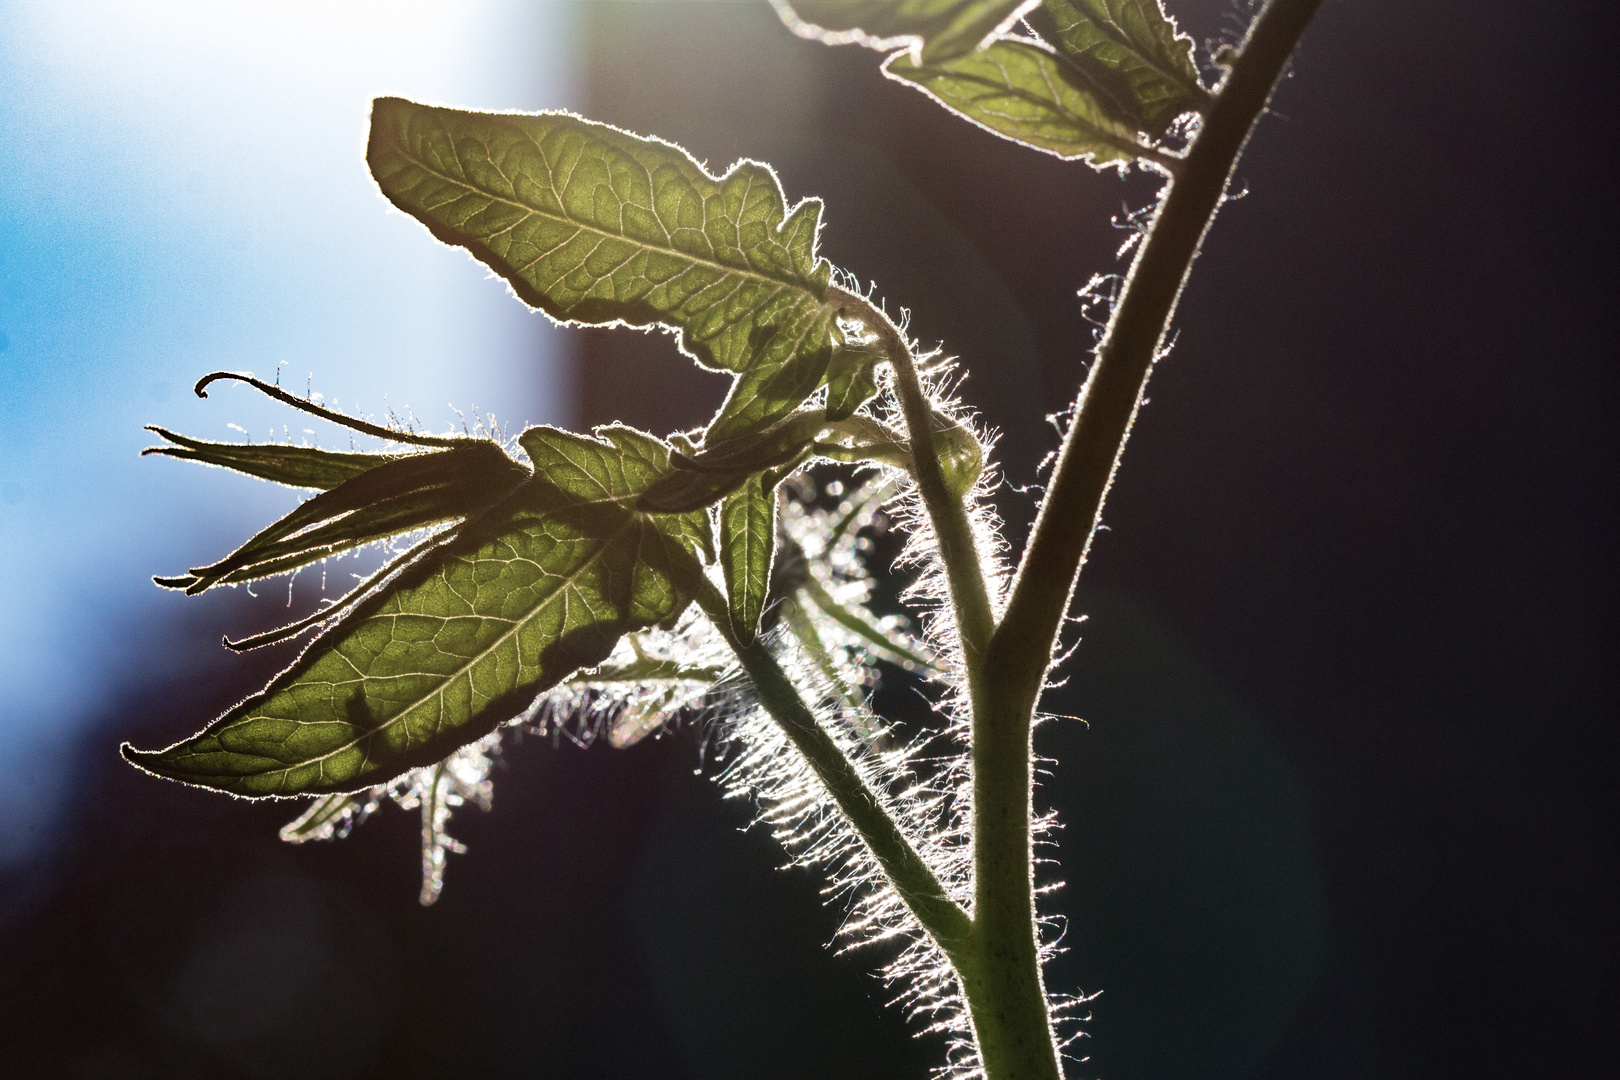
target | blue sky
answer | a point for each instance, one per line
(182, 189)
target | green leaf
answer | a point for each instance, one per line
(1132, 52)
(747, 542)
(944, 29)
(1023, 91)
(619, 465)
(596, 226)
(709, 475)
(399, 495)
(294, 466)
(851, 381)
(463, 640)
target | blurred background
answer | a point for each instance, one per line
(1342, 802)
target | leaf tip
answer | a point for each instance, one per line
(144, 760)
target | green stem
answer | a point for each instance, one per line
(1005, 995)
(1107, 405)
(911, 877)
(970, 600)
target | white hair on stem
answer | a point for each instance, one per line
(655, 676)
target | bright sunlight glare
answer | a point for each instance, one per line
(183, 189)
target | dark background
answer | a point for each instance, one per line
(1342, 806)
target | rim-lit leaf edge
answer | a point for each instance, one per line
(798, 225)
(686, 543)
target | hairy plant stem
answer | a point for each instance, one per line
(917, 885)
(1108, 401)
(1009, 1007)
(1000, 970)
(970, 600)
(996, 952)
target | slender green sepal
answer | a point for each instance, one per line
(803, 628)
(856, 511)
(887, 644)
(327, 817)
(650, 690)
(294, 466)
(398, 496)
(646, 671)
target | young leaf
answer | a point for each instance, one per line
(399, 495)
(593, 225)
(851, 382)
(747, 541)
(961, 458)
(294, 466)
(540, 586)
(934, 30)
(1131, 51)
(1022, 91)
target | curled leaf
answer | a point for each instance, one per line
(398, 495)
(720, 468)
(851, 380)
(537, 587)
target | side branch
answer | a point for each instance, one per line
(940, 916)
(970, 599)
(1044, 586)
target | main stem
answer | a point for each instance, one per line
(996, 952)
(1002, 980)
(1021, 647)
